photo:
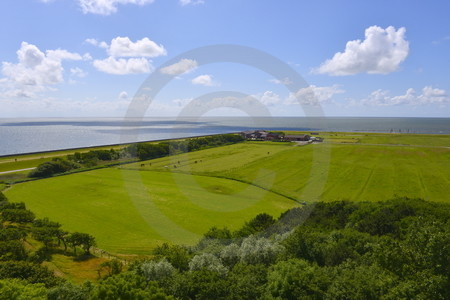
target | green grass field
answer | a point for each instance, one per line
(132, 208)
(131, 212)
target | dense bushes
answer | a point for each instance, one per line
(336, 250)
(56, 166)
(142, 151)
(343, 250)
(145, 151)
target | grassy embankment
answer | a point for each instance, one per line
(131, 208)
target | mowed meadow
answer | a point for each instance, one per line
(133, 207)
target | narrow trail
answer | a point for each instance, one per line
(19, 170)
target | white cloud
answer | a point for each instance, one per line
(429, 95)
(87, 56)
(78, 72)
(284, 81)
(191, 2)
(268, 98)
(123, 95)
(123, 46)
(123, 66)
(107, 7)
(314, 95)
(205, 80)
(180, 102)
(381, 52)
(35, 72)
(96, 43)
(183, 66)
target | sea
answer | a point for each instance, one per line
(19, 136)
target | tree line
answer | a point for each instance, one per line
(395, 249)
(141, 151)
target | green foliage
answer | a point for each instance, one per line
(202, 284)
(31, 272)
(259, 250)
(207, 261)
(247, 281)
(127, 286)
(69, 291)
(297, 279)
(85, 240)
(257, 224)
(92, 157)
(177, 256)
(12, 250)
(56, 166)
(112, 267)
(2, 198)
(145, 151)
(360, 282)
(16, 289)
(332, 255)
(218, 233)
(17, 215)
(156, 270)
(8, 234)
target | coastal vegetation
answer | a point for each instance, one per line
(227, 219)
(199, 189)
(395, 249)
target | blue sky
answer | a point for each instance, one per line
(88, 58)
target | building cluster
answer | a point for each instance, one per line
(262, 135)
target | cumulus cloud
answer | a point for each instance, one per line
(183, 66)
(268, 98)
(96, 43)
(78, 72)
(123, 95)
(206, 80)
(314, 95)
(380, 52)
(191, 2)
(123, 46)
(36, 71)
(429, 95)
(107, 7)
(121, 66)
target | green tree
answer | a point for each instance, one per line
(127, 286)
(353, 281)
(29, 271)
(207, 261)
(297, 279)
(86, 241)
(247, 281)
(69, 291)
(17, 215)
(112, 267)
(12, 250)
(178, 256)
(16, 289)
(156, 270)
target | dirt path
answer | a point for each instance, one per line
(19, 170)
(31, 158)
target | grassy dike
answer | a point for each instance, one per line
(133, 207)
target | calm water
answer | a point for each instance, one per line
(34, 135)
